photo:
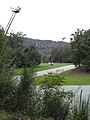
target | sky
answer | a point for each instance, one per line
(47, 19)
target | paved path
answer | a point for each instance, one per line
(55, 70)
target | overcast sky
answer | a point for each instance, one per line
(47, 19)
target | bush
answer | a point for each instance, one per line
(52, 102)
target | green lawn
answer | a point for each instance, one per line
(43, 66)
(70, 79)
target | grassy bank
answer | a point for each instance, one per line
(74, 79)
(70, 79)
(43, 66)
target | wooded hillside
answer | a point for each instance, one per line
(44, 46)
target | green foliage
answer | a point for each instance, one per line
(15, 40)
(61, 54)
(22, 56)
(80, 44)
(16, 95)
(60, 105)
(70, 79)
(54, 102)
(55, 105)
(4, 50)
(75, 46)
(66, 56)
(29, 57)
(44, 58)
(6, 82)
(52, 80)
(24, 98)
(3, 115)
(15, 45)
(33, 55)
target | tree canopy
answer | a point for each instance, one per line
(62, 53)
(80, 45)
(22, 55)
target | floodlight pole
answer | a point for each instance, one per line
(15, 11)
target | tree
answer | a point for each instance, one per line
(15, 43)
(80, 45)
(44, 58)
(66, 55)
(85, 46)
(6, 73)
(75, 46)
(28, 57)
(61, 54)
(22, 56)
(16, 95)
(55, 55)
(33, 55)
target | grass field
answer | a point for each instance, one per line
(70, 79)
(43, 66)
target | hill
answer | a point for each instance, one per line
(44, 46)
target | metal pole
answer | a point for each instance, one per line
(9, 23)
(15, 11)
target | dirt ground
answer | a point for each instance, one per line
(79, 71)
